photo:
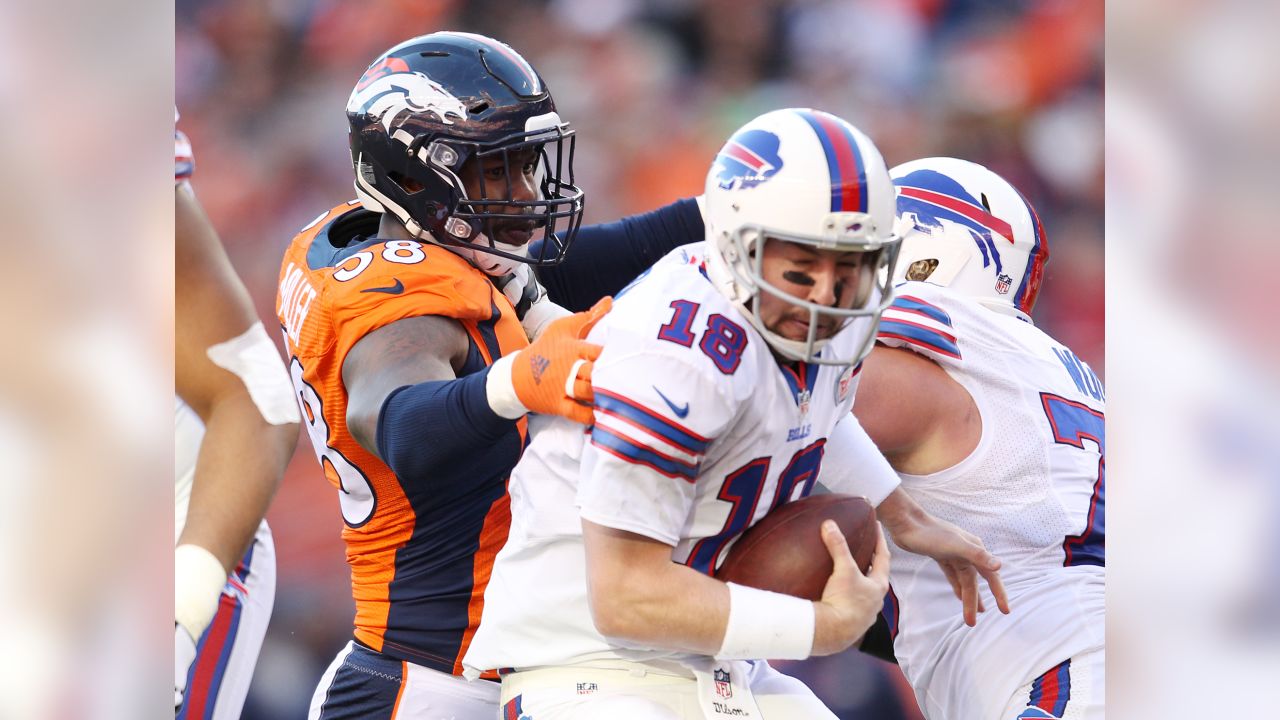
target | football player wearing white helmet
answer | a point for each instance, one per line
(728, 371)
(995, 426)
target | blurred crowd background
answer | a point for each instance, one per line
(653, 88)
(86, 232)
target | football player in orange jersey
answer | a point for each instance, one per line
(415, 370)
(236, 426)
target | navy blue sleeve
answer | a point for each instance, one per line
(427, 429)
(878, 642)
(605, 257)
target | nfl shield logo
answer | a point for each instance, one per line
(842, 387)
(723, 687)
(1002, 283)
(802, 400)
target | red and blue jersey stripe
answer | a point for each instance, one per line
(630, 431)
(914, 321)
(912, 304)
(213, 654)
(844, 161)
(1052, 691)
(513, 710)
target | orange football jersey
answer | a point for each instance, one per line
(420, 551)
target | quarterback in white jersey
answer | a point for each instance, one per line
(998, 428)
(235, 426)
(727, 374)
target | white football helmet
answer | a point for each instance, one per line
(967, 228)
(807, 177)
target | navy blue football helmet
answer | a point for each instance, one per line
(431, 105)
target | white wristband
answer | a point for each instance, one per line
(500, 390)
(767, 625)
(198, 579)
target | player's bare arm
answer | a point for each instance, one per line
(924, 421)
(639, 595)
(917, 415)
(405, 352)
(244, 452)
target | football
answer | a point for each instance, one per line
(784, 552)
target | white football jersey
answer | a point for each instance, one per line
(699, 432)
(1033, 490)
(188, 432)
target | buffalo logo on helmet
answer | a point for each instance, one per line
(386, 96)
(748, 159)
(935, 199)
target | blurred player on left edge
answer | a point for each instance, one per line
(236, 425)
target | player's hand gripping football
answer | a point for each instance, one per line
(960, 554)
(553, 375)
(851, 600)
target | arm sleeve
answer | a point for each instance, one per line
(852, 464)
(605, 257)
(427, 426)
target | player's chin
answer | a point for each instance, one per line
(792, 329)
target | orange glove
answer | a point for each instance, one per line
(553, 375)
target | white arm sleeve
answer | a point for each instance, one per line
(852, 464)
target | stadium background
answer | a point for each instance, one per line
(653, 87)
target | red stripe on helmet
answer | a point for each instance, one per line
(847, 162)
(977, 214)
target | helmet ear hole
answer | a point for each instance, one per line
(406, 183)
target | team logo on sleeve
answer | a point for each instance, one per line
(748, 159)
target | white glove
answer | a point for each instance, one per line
(184, 655)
